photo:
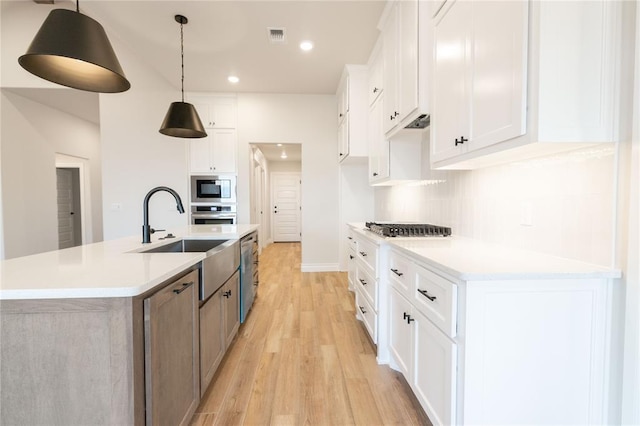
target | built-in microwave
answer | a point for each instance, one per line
(213, 189)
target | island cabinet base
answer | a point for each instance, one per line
(71, 361)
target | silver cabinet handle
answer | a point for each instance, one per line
(362, 281)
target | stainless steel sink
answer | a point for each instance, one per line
(221, 261)
(184, 246)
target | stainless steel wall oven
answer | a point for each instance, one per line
(213, 214)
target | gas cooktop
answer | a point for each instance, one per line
(408, 229)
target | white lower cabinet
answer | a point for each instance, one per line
(434, 371)
(400, 332)
(498, 351)
(363, 275)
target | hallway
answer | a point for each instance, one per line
(302, 358)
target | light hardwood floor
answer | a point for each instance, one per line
(302, 358)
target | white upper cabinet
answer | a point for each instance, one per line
(375, 83)
(352, 112)
(406, 50)
(515, 80)
(480, 71)
(214, 154)
(216, 112)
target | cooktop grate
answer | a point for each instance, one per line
(408, 229)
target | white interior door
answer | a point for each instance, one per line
(66, 233)
(285, 202)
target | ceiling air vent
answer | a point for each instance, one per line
(277, 35)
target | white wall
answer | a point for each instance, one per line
(356, 201)
(570, 196)
(630, 258)
(310, 121)
(136, 157)
(285, 166)
(31, 135)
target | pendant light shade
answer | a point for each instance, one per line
(182, 120)
(73, 50)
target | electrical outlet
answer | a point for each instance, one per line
(116, 207)
(526, 213)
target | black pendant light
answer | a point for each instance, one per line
(73, 50)
(182, 120)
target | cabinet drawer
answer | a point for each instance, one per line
(368, 253)
(367, 285)
(436, 298)
(353, 245)
(399, 273)
(367, 315)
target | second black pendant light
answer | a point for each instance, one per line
(182, 120)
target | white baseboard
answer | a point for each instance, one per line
(320, 267)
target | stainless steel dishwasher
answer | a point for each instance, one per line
(248, 273)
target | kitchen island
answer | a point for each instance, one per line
(75, 329)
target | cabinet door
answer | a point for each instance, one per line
(223, 151)
(172, 364)
(499, 51)
(401, 332)
(379, 144)
(351, 268)
(407, 58)
(374, 85)
(205, 113)
(343, 139)
(434, 379)
(390, 70)
(200, 155)
(223, 113)
(212, 341)
(450, 119)
(231, 308)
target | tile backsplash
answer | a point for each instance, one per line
(561, 205)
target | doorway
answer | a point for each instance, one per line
(69, 207)
(285, 199)
(267, 161)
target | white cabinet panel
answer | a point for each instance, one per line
(435, 371)
(213, 154)
(400, 332)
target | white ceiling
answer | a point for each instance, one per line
(273, 152)
(230, 37)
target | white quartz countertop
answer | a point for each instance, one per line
(113, 268)
(472, 260)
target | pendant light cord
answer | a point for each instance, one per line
(182, 59)
(78, 6)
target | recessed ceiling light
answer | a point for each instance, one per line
(306, 45)
(233, 79)
(279, 144)
(284, 155)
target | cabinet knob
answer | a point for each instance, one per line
(396, 113)
(341, 114)
(351, 257)
(341, 154)
(391, 117)
(461, 141)
(375, 90)
(362, 281)
(227, 294)
(183, 288)
(375, 174)
(409, 319)
(362, 309)
(363, 253)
